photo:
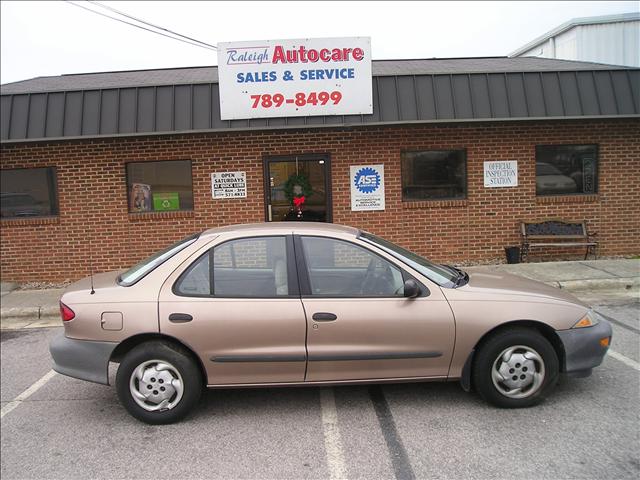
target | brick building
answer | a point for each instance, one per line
(106, 168)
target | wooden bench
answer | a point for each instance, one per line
(556, 233)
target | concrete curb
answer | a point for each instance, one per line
(37, 312)
(16, 318)
(21, 323)
(598, 284)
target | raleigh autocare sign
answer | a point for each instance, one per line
(367, 187)
(501, 174)
(295, 78)
(229, 185)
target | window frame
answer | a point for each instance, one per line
(597, 169)
(292, 275)
(54, 200)
(305, 281)
(128, 186)
(465, 176)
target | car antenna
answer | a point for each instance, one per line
(91, 268)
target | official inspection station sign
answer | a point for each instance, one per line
(229, 185)
(367, 187)
(295, 78)
(501, 174)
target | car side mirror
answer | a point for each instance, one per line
(411, 288)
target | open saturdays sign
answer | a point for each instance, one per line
(295, 78)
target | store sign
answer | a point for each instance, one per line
(501, 174)
(367, 187)
(229, 185)
(295, 78)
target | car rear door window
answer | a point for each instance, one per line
(341, 269)
(197, 278)
(249, 267)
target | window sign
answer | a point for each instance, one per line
(163, 202)
(229, 185)
(295, 78)
(367, 187)
(501, 174)
(589, 175)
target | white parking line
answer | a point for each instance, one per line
(621, 358)
(332, 442)
(27, 393)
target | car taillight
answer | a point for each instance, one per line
(66, 313)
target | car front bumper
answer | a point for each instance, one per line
(82, 359)
(583, 349)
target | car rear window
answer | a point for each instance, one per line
(141, 269)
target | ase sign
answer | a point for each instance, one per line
(295, 78)
(367, 187)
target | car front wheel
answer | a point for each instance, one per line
(158, 382)
(515, 368)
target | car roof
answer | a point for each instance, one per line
(267, 228)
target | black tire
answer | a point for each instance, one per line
(492, 349)
(184, 365)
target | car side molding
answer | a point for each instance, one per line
(258, 358)
(372, 356)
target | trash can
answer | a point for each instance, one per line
(513, 254)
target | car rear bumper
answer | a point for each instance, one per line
(82, 359)
(583, 349)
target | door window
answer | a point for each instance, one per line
(197, 279)
(249, 267)
(297, 189)
(341, 269)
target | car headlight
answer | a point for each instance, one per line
(589, 320)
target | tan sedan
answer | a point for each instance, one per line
(316, 304)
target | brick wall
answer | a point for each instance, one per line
(93, 196)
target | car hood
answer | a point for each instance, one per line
(499, 284)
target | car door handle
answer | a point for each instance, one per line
(180, 317)
(324, 317)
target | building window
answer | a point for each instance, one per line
(566, 169)
(434, 175)
(29, 192)
(160, 186)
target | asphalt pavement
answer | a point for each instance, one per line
(58, 427)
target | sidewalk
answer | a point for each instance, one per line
(39, 308)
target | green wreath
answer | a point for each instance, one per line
(300, 180)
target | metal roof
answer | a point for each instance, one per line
(404, 91)
(196, 75)
(575, 22)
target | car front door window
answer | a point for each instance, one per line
(343, 269)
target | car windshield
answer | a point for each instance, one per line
(443, 276)
(139, 270)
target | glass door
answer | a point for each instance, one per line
(297, 188)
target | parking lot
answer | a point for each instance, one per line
(57, 427)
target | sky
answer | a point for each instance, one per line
(56, 37)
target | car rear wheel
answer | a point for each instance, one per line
(158, 382)
(515, 368)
